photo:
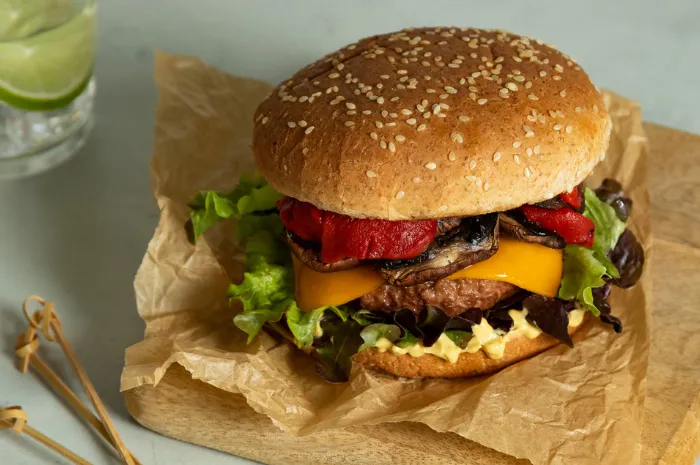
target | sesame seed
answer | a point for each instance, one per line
(384, 76)
(519, 78)
(411, 121)
(416, 180)
(496, 156)
(371, 174)
(309, 130)
(400, 138)
(373, 135)
(503, 90)
(380, 100)
(577, 110)
(558, 68)
(393, 115)
(531, 118)
(536, 149)
(421, 127)
(527, 172)
(450, 90)
(292, 124)
(350, 112)
(569, 129)
(406, 111)
(302, 123)
(305, 151)
(333, 75)
(366, 112)
(392, 147)
(427, 114)
(482, 101)
(562, 93)
(390, 123)
(557, 127)
(543, 73)
(401, 71)
(451, 156)
(379, 124)
(456, 137)
(486, 186)
(393, 99)
(430, 166)
(430, 91)
(349, 123)
(399, 195)
(516, 159)
(385, 113)
(444, 96)
(463, 118)
(350, 106)
(511, 86)
(340, 66)
(265, 120)
(516, 144)
(472, 164)
(382, 144)
(532, 97)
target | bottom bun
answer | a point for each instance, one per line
(429, 366)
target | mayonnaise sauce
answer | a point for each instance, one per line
(491, 341)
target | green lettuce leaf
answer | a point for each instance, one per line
(607, 232)
(460, 338)
(585, 268)
(342, 341)
(374, 332)
(251, 195)
(306, 325)
(582, 272)
(407, 340)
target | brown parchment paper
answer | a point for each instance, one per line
(581, 405)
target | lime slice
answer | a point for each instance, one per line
(23, 18)
(49, 70)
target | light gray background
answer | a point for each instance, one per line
(76, 235)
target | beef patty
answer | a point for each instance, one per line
(452, 296)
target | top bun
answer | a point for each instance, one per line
(430, 123)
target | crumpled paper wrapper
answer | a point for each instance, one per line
(582, 405)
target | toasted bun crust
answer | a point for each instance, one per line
(430, 123)
(429, 366)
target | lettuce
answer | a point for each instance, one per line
(304, 325)
(374, 332)
(251, 195)
(586, 268)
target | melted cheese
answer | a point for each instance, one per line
(313, 289)
(533, 267)
(491, 341)
(530, 266)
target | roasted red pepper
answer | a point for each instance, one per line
(342, 236)
(573, 227)
(303, 219)
(572, 198)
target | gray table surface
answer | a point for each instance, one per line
(76, 235)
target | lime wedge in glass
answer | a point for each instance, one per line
(49, 69)
(23, 18)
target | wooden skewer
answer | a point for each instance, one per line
(27, 344)
(50, 323)
(16, 418)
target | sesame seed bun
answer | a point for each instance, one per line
(430, 123)
(429, 366)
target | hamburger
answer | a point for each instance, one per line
(420, 207)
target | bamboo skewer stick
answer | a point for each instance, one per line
(15, 418)
(27, 344)
(51, 329)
